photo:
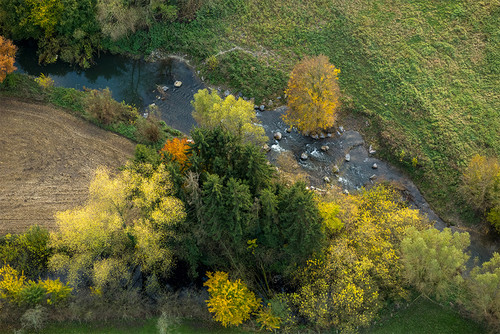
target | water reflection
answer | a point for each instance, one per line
(132, 81)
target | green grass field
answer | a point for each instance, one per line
(426, 317)
(427, 73)
(145, 327)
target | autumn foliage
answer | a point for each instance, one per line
(176, 149)
(313, 94)
(231, 301)
(7, 57)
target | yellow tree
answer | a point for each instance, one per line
(126, 222)
(313, 94)
(236, 115)
(7, 57)
(347, 284)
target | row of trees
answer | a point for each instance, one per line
(313, 100)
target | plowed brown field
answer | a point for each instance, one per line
(47, 159)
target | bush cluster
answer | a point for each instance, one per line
(16, 289)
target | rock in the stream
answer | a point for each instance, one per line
(326, 179)
(277, 135)
(371, 150)
(289, 129)
(373, 177)
(266, 148)
(262, 107)
(165, 88)
(347, 157)
(304, 156)
(336, 169)
(341, 129)
(177, 84)
(227, 93)
(346, 191)
(374, 166)
(325, 148)
(322, 135)
(314, 136)
(329, 135)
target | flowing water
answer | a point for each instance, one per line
(142, 83)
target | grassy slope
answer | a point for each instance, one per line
(426, 72)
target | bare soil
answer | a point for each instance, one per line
(47, 159)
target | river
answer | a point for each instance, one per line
(136, 82)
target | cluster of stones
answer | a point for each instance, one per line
(163, 90)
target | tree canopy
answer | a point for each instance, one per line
(313, 95)
(7, 58)
(235, 115)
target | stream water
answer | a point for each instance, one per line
(132, 81)
(136, 82)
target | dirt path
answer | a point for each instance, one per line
(47, 158)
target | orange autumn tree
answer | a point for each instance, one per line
(313, 94)
(176, 149)
(7, 57)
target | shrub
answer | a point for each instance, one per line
(145, 154)
(230, 301)
(31, 294)
(28, 252)
(150, 129)
(45, 81)
(493, 218)
(100, 105)
(15, 289)
(483, 293)
(167, 324)
(481, 183)
(56, 291)
(267, 319)
(11, 284)
(34, 319)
